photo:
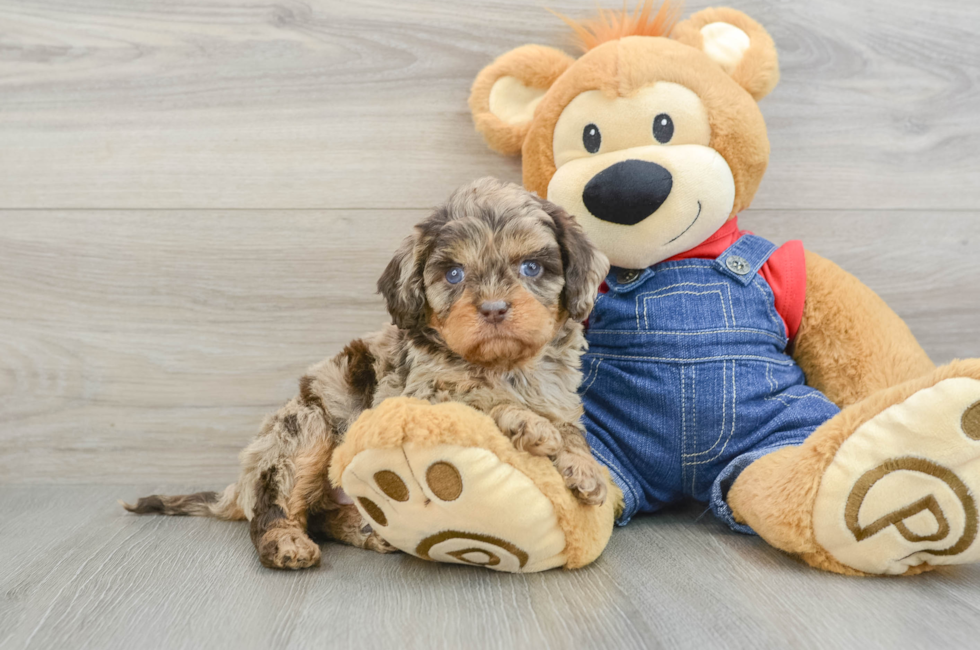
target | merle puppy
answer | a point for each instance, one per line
(486, 298)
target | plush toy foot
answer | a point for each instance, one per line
(441, 482)
(886, 487)
(899, 492)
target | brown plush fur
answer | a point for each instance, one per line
(523, 371)
(758, 71)
(775, 494)
(850, 343)
(537, 67)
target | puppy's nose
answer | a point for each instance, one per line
(494, 311)
(627, 192)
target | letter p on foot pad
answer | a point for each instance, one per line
(902, 489)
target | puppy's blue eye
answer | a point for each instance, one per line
(530, 269)
(455, 275)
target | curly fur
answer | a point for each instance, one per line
(523, 371)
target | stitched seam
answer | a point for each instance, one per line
(724, 415)
(780, 398)
(612, 468)
(731, 306)
(770, 302)
(694, 408)
(595, 375)
(721, 298)
(709, 264)
(683, 425)
(588, 375)
(731, 433)
(650, 294)
(749, 357)
(691, 333)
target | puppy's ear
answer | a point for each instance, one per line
(585, 267)
(402, 284)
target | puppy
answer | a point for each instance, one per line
(486, 297)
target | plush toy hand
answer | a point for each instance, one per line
(442, 483)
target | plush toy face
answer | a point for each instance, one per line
(652, 143)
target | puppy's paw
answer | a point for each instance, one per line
(287, 548)
(537, 436)
(583, 476)
(373, 542)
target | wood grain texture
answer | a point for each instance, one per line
(78, 572)
(334, 104)
(149, 345)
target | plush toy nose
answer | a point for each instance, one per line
(494, 311)
(627, 192)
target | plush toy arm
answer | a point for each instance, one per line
(441, 482)
(850, 343)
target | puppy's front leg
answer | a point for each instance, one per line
(528, 431)
(582, 473)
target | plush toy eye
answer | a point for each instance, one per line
(591, 138)
(663, 128)
(455, 275)
(530, 268)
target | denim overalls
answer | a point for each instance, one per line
(687, 380)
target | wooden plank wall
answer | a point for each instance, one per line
(197, 197)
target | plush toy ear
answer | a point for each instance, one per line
(735, 42)
(506, 92)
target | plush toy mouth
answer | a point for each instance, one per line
(691, 225)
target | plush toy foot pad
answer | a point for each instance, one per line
(498, 518)
(902, 489)
(441, 482)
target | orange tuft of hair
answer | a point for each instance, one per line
(610, 25)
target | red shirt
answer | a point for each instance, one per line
(785, 271)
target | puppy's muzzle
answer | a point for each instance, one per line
(628, 192)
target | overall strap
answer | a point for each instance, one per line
(743, 259)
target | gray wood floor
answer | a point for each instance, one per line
(195, 201)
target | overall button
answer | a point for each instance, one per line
(627, 275)
(737, 264)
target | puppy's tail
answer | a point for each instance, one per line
(223, 505)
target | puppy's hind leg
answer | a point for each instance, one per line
(331, 513)
(278, 530)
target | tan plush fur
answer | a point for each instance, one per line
(775, 494)
(398, 421)
(522, 369)
(534, 65)
(758, 71)
(850, 343)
